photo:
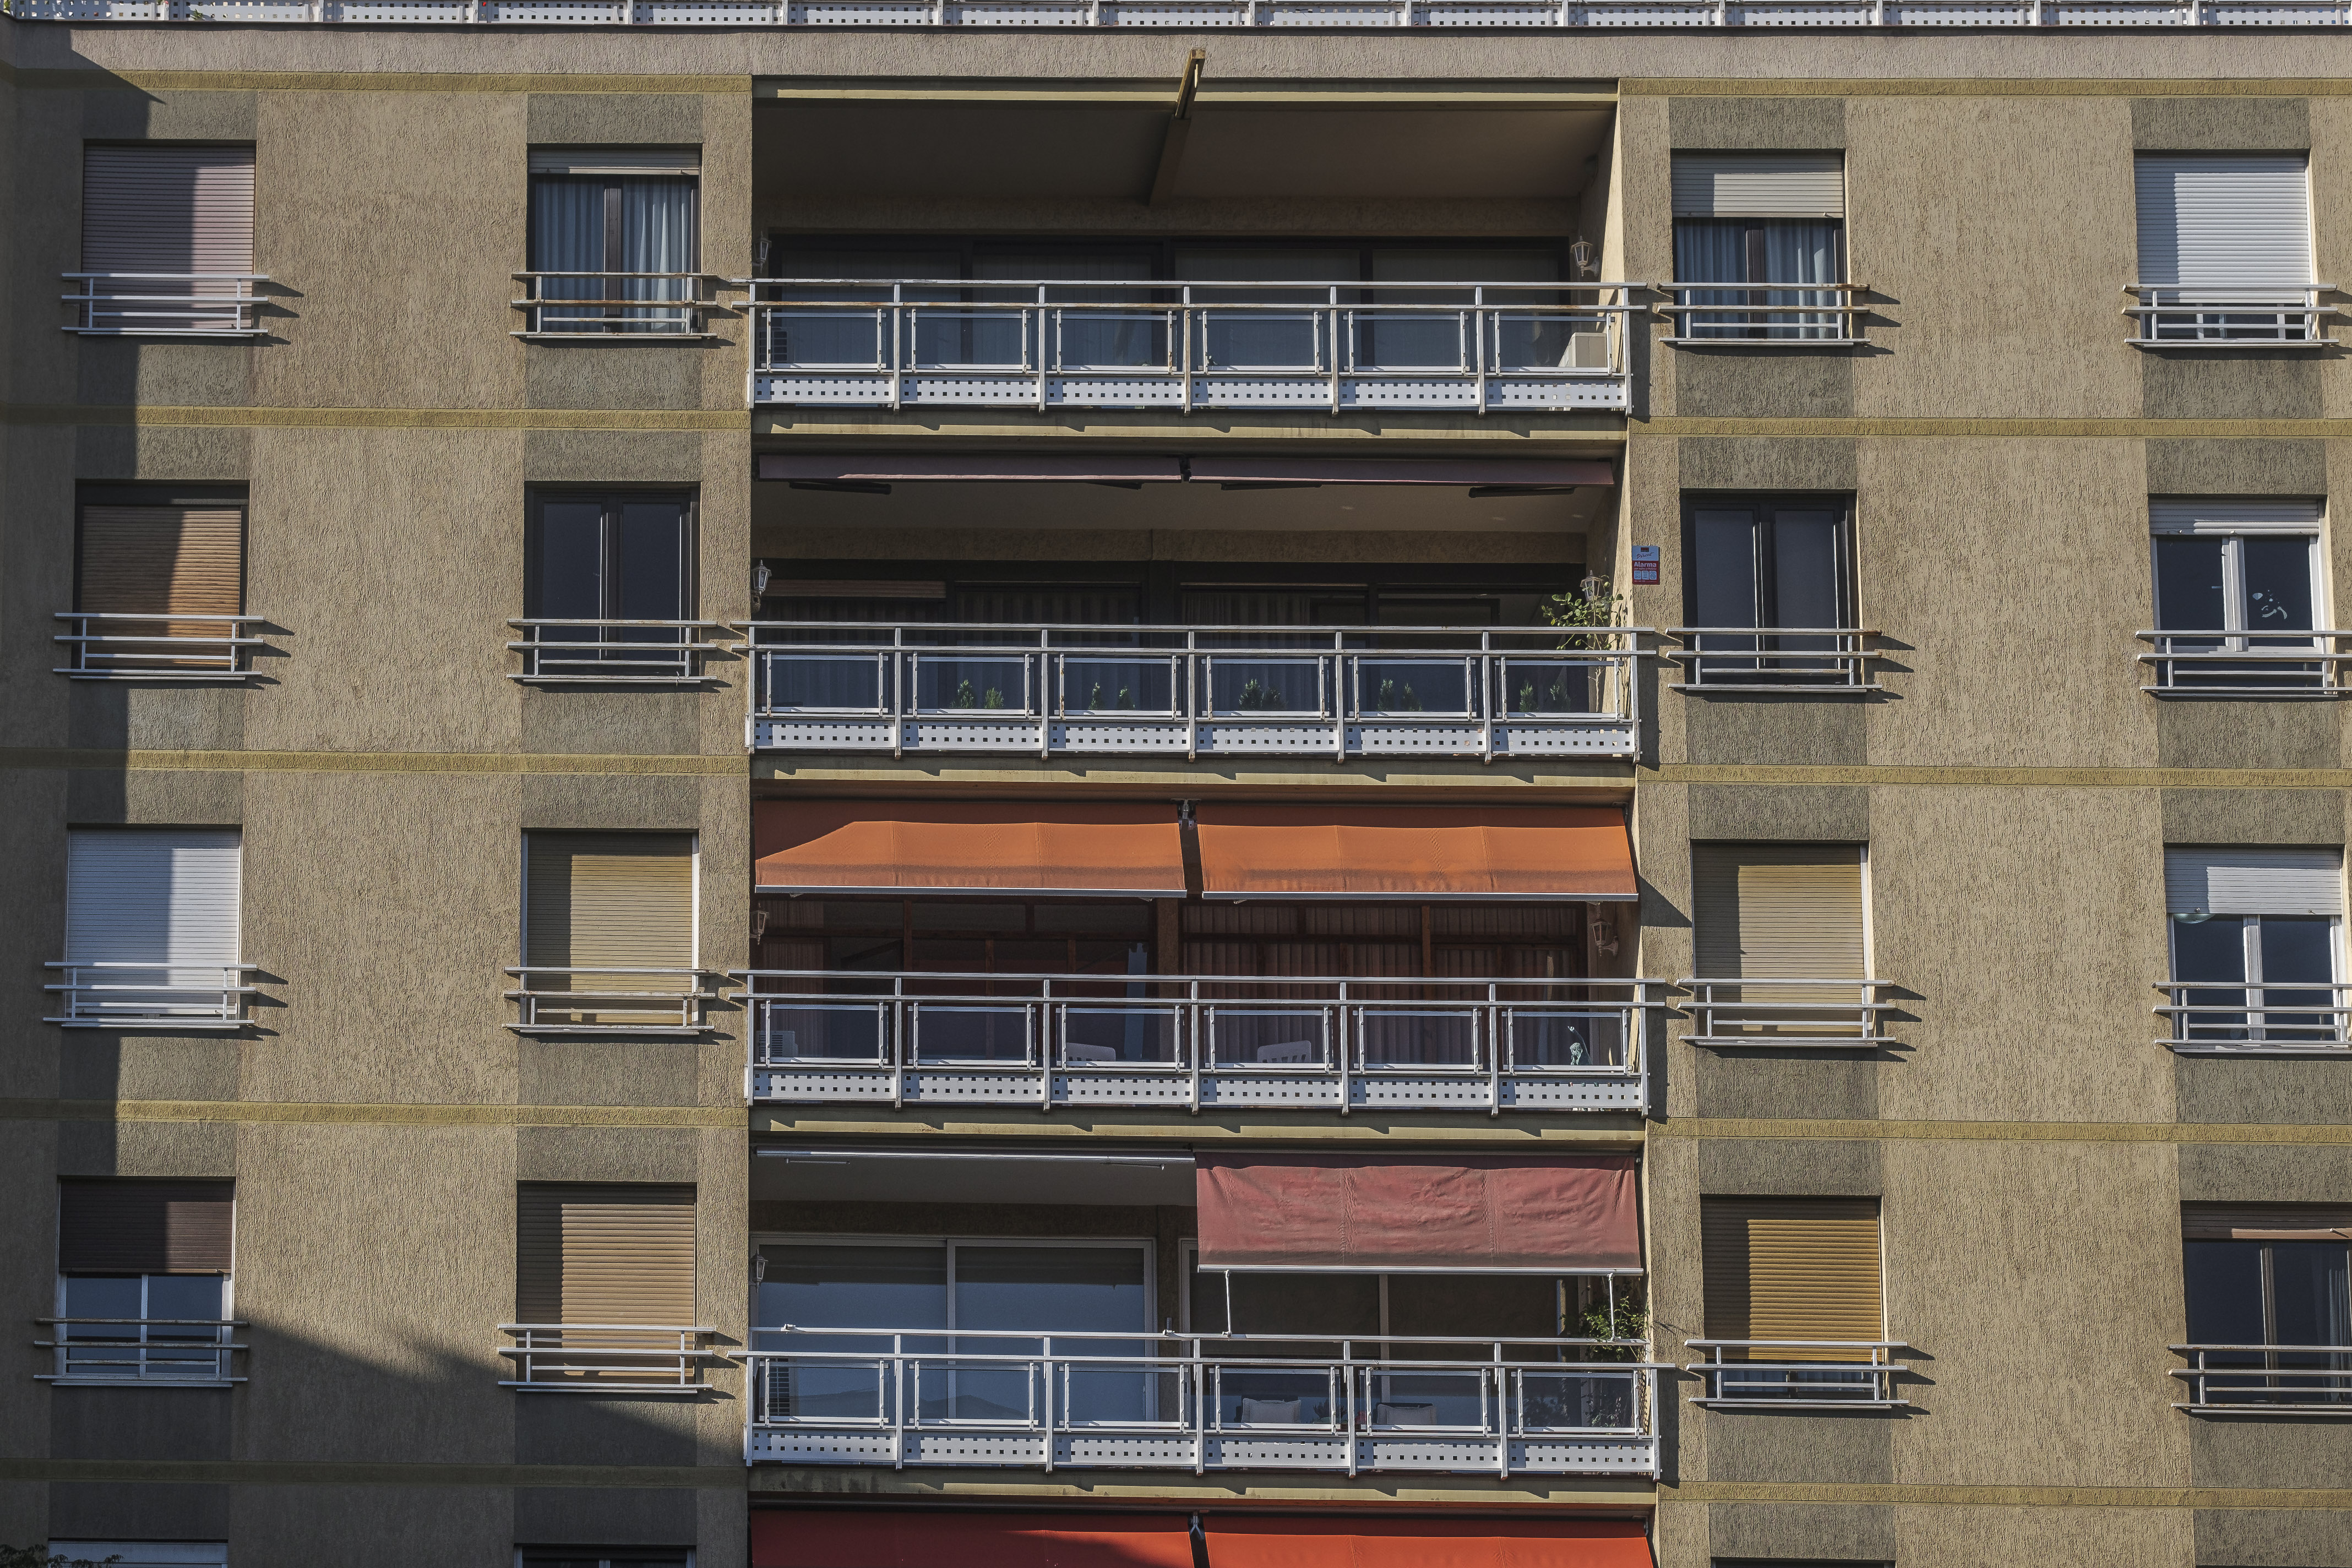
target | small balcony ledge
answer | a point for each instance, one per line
(612, 1001)
(1761, 315)
(2265, 1379)
(142, 1353)
(2210, 1018)
(2246, 664)
(607, 1358)
(172, 997)
(2203, 316)
(1818, 1014)
(166, 304)
(615, 306)
(113, 645)
(1198, 1041)
(1777, 1374)
(1814, 661)
(607, 653)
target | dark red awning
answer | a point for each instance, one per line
(1010, 466)
(812, 1538)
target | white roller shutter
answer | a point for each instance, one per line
(1760, 185)
(2220, 514)
(671, 161)
(154, 895)
(164, 208)
(2231, 221)
(2254, 881)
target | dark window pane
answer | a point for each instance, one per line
(1075, 1289)
(1726, 575)
(2298, 948)
(2188, 584)
(90, 1297)
(854, 1287)
(184, 1296)
(2311, 1293)
(1805, 569)
(2223, 1281)
(1710, 250)
(567, 578)
(652, 577)
(2213, 950)
(2278, 585)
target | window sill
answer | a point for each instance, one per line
(63, 1381)
(2231, 343)
(224, 676)
(2297, 1411)
(167, 331)
(1764, 343)
(2193, 1049)
(2282, 693)
(608, 1388)
(1782, 1043)
(667, 1031)
(609, 679)
(1806, 1404)
(157, 1026)
(617, 337)
(1709, 687)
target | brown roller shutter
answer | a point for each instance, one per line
(161, 561)
(161, 208)
(1790, 911)
(2266, 1222)
(1791, 1268)
(606, 1253)
(609, 901)
(145, 1227)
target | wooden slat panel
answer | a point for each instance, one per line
(606, 1253)
(145, 1227)
(1791, 1268)
(609, 901)
(1779, 912)
(161, 561)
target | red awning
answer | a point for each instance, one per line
(1540, 473)
(1474, 1214)
(884, 468)
(812, 1538)
(883, 847)
(1415, 852)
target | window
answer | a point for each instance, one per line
(2225, 249)
(167, 241)
(144, 1271)
(159, 587)
(1760, 218)
(609, 228)
(143, 1554)
(603, 1557)
(2267, 925)
(2265, 1275)
(2237, 587)
(608, 917)
(617, 1257)
(151, 928)
(1779, 1269)
(1770, 593)
(1766, 915)
(602, 559)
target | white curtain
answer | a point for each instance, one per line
(657, 236)
(1796, 250)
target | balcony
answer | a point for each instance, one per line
(1198, 1041)
(174, 997)
(1490, 347)
(607, 653)
(113, 645)
(1806, 1014)
(180, 1352)
(894, 1398)
(2237, 664)
(2168, 316)
(605, 306)
(165, 304)
(1193, 692)
(2205, 1019)
(606, 1001)
(1813, 659)
(1799, 1374)
(607, 1358)
(2267, 1380)
(1761, 315)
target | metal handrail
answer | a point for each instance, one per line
(185, 1362)
(674, 1011)
(587, 1358)
(2260, 1028)
(2267, 663)
(1801, 324)
(2268, 1387)
(1835, 1024)
(168, 654)
(608, 660)
(95, 1005)
(1843, 667)
(1192, 1040)
(1820, 1383)
(2205, 316)
(236, 313)
(650, 315)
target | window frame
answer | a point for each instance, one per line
(1766, 661)
(611, 499)
(1148, 1245)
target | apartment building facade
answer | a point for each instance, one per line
(1237, 784)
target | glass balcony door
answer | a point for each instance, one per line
(2261, 588)
(2271, 1293)
(2258, 962)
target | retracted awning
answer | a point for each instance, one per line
(1415, 852)
(1501, 473)
(880, 846)
(885, 469)
(1509, 473)
(815, 1538)
(1419, 1214)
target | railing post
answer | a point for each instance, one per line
(1343, 1047)
(897, 346)
(1333, 348)
(1192, 1036)
(895, 1018)
(1046, 1376)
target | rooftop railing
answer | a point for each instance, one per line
(1780, 1374)
(1762, 315)
(609, 1001)
(1775, 658)
(2246, 664)
(606, 305)
(1194, 691)
(115, 646)
(606, 1358)
(142, 1352)
(2275, 1380)
(2171, 316)
(164, 304)
(899, 1397)
(835, 1037)
(1192, 14)
(2221, 1019)
(1819, 1014)
(1188, 345)
(612, 652)
(113, 995)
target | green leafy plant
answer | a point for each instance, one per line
(965, 697)
(1576, 607)
(39, 1557)
(1629, 1319)
(992, 698)
(1253, 698)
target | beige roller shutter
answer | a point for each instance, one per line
(2266, 1222)
(609, 901)
(164, 208)
(145, 1227)
(1779, 911)
(607, 1253)
(161, 561)
(1791, 1268)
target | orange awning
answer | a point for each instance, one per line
(1415, 852)
(1426, 1544)
(816, 1538)
(881, 847)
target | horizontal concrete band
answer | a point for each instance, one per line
(314, 1113)
(1587, 1130)
(34, 758)
(2007, 1497)
(248, 417)
(778, 1482)
(2011, 778)
(2007, 1132)
(333, 1473)
(85, 79)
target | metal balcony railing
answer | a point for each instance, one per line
(2222, 1019)
(1779, 1375)
(183, 1351)
(1762, 315)
(1171, 14)
(2246, 664)
(1785, 1013)
(2298, 1380)
(1187, 346)
(1775, 658)
(112, 995)
(613, 304)
(612, 652)
(609, 1001)
(897, 1397)
(2170, 316)
(603, 1358)
(1198, 1040)
(112, 646)
(165, 304)
(1194, 691)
